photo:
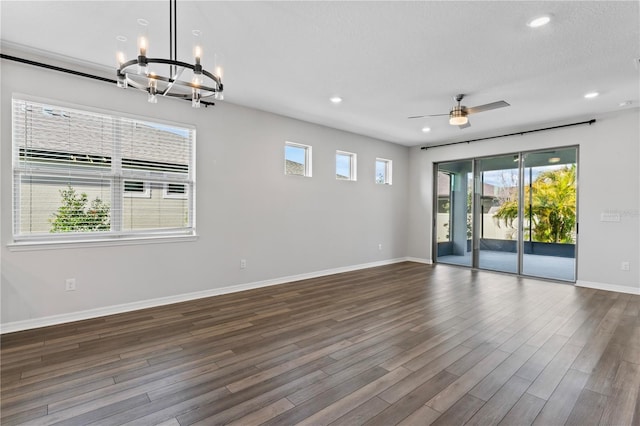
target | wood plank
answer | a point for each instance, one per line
(423, 416)
(547, 381)
(362, 413)
(265, 413)
(328, 397)
(445, 399)
(587, 409)
(500, 403)
(620, 406)
(360, 396)
(423, 375)
(561, 403)
(237, 404)
(524, 411)
(282, 368)
(541, 358)
(413, 400)
(468, 361)
(502, 374)
(460, 412)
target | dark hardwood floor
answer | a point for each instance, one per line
(406, 344)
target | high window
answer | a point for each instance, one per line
(297, 159)
(83, 175)
(383, 171)
(345, 165)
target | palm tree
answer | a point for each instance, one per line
(552, 209)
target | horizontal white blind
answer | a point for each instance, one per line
(80, 173)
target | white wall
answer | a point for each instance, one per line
(609, 181)
(246, 207)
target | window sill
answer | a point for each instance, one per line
(123, 241)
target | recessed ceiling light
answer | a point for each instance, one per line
(196, 33)
(539, 21)
(591, 95)
(121, 38)
(335, 99)
(625, 103)
(554, 160)
(143, 22)
(426, 129)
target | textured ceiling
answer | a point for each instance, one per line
(387, 60)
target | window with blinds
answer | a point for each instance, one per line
(87, 175)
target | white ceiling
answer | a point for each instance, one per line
(387, 60)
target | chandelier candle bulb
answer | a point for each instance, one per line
(143, 39)
(121, 58)
(121, 47)
(142, 44)
(218, 65)
(153, 90)
(195, 98)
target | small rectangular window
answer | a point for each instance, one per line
(345, 165)
(383, 171)
(175, 190)
(137, 189)
(297, 159)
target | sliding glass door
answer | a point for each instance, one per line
(513, 213)
(550, 207)
(453, 212)
(497, 187)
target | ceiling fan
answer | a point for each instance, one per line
(458, 114)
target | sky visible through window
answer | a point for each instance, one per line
(509, 178)
(294, 153)
(343, 165)
(176, 130)
(381, 170)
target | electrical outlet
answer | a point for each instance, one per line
(379, 246)
(624, 266)
(243, 263)
(70, 284)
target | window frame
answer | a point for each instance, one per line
(178, 196)
(307, 158)
(388, 171)
(115, 175)
(146, 192)
(353, 172)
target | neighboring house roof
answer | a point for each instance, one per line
(444, 182)
(294, 168)
(93, 135)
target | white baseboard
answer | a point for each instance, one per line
(609, 287)
(151, 303)
(419, 260)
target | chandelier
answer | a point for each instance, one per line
(184, 81)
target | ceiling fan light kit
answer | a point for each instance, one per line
(458, 116)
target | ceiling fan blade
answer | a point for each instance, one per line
(465, 125)
(487, 107)
(429, 115)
